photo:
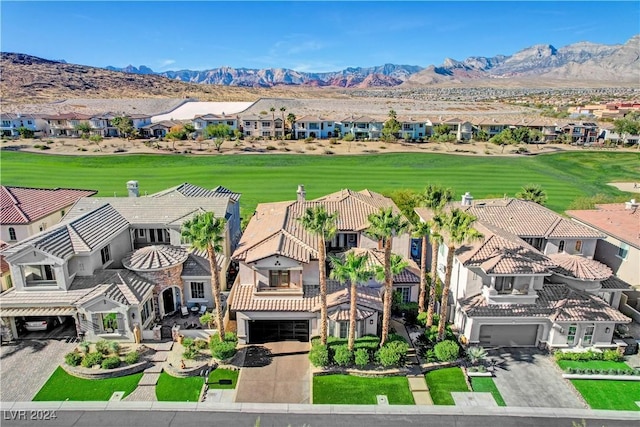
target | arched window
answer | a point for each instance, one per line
(12, 233)
(561, 246)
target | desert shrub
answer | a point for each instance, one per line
(383, 147)
(392, 353)
(200, 344)
(190, 353)
(114, 346)
(472, 369)
(328, 152)
(91, 359)
(271, 148)
(612, 356)
(348, 137)
(73, 359)
(361, 357)
(447, 351)
(312, 148)
(132, 357)
(102, 346)
(309, 139)
(333, 141)
(223, 349)
(476, 354)
(342, 356)
(319, 355)
(111, 362)
(84, 346)
(188, 342)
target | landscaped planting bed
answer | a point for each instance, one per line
(352, 390)
(442, 382)
(62, 386)
(610, 394)
(172, 389)
(593, 364)
(487, 385)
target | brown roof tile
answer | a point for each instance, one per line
(578, 267)
(23, 205)
(614, 219)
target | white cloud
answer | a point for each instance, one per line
(166, 62)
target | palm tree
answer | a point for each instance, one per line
(284, 128)
(352, 268)
(534, 193)
(320, 223)
(458, 227)
(273, 119)
(398, 264)
(291, 118)
(383, 225)
(422, 230)
(205, 232)
(435, 198)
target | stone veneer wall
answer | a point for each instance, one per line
(164, 279)
(94, 374)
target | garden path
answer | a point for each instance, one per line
(146, 390)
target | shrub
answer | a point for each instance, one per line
(361, 357)
(348, 137)
(114, 346)
(392, 353)
(84, 346)
(588, 371)
(328, 152)
(271, 148)
(200, 344)
(621, 371)
(476, 354)
(231, 336)
(342, 356)
(308, 139)
(319, 355)
(447, 351)
(410, 311)
(430, 355)
(132, 357)
(191, 352)
(472, 369)
(102, 346)
(612, 372)
(223, 349)
(73, 359)
(91, 359)
(482, 368)
(111, 362)
(571, 370)
(188, 343)
(421, 319)
(612, 356)
(583, 356)
(333, 141)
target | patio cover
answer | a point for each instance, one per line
(37, 311)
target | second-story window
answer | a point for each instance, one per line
(105, 254)
(279, 278)
(197, 289)
(35, 275)
(579, 246)
(561, 246)
(12, 233)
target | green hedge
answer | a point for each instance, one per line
(223, 349)
(608, 355)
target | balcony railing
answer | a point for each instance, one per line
(291, 289)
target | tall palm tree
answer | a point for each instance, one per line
(319, 222)
(205, 232)
(273, 119)
(284, 128)
(457, 225)
(534, 193)
(291, 118)
(383, 226)
(436, 198)
(352, 268)
(422, 230)
(398, 264)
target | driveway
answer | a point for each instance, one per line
(529, 378)
(27, 365)
(276, 372)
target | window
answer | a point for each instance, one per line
(406, 126)
(247, 124)
(230, 123)
(344, 329)
(405, 293)
(109, 322)
(561, 246)
(266, 133)
(62, 213)
(9, 282)
(504, 285)
(140, 232)
(38, 274)
(623, 250)
(146, 310)
(105, 253)
(278, 278)
(587, 338)
(579, 246)
(197, 289)
(571, 335)
(12, 233)
(266, 124)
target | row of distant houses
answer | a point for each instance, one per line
(310, 126)
(536, 278)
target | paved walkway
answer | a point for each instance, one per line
(27, 365)
(146, 390)
(276, 372)
(419, 389)
(528, 378)
(398, 326)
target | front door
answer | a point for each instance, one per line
(168, 303)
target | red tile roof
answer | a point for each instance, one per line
(22, 205)
(614, 219)
(575, 266)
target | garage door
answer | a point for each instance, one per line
(262, 331)
(508, 335)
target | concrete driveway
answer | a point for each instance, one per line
(276, 372)
(27, 365)
(528, 378)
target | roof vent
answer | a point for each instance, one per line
(132, 187)
(302, 195)
(467, 199)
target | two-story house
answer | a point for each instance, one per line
(462, 129)
(362, 127)
(491, 127)
(314, 127)
(531, 280)
(65, 124)
(581, 132)
(117, 263)
(10, 123)
(261, 126)
(276, 293)
(202, 121)
(158, 130)
(412, 128)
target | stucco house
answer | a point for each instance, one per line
(361, 127)
(114, 263)
(276, 294)
(64, 124)
(262, 126)
(10, 123)
(413, 128)
(531, 280)
(314, 127)
(202, 121)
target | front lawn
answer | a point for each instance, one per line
(487, 385)
(593, 364)
(223, 374)
(62, 386)
(610, 394)
(442, 382)
(352, 390)
(172, 389)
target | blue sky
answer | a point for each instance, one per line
(305, 36)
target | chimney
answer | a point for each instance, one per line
(467, 199)
(132, 187)
(302, 195)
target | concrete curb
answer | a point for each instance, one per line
(279, 408)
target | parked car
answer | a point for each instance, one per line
(42, 323)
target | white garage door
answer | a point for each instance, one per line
(508, 335)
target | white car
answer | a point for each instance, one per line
(42, 323)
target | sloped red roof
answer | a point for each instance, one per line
(22, 205)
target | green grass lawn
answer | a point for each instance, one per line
(223, 374)
(610, 394)
(62, 386)
(592, 364)
(487, 385)
(352, 390)
(172, 389)
(267, 178)
(442, 382)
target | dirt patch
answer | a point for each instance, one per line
(630, 187)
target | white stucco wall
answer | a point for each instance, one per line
(587, 249)
(601, 338)
(26, 230)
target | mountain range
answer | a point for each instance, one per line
(583, 61)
